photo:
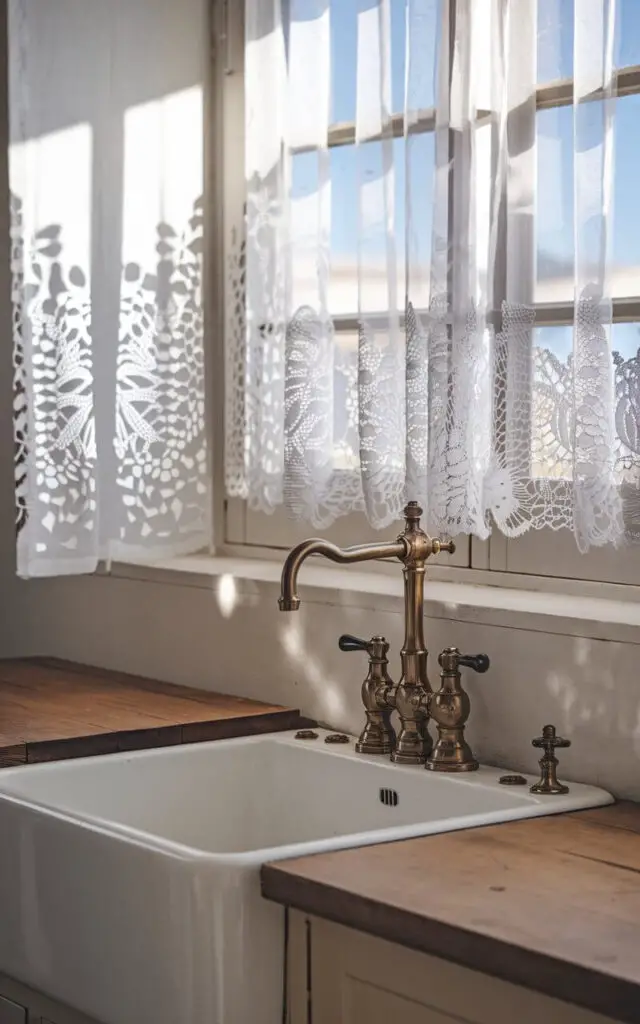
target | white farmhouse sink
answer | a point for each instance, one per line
(129, 884)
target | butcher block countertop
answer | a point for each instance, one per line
(51, 710)
(549, 903)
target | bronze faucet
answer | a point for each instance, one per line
(449, 707)
(411, 697)
(549, 742)
(378, 690)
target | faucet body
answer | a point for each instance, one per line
(449, 708)
(410, 698)
(378, 735)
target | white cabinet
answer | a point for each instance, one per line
(352, 978)
(339, 976)
(12, 1013)
(21, 1005)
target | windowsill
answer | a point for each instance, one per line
(543, 609)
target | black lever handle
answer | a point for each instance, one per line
(353, 643)
(478, 662)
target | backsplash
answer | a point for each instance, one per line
(586, 688)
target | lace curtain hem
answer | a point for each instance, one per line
(500, 431)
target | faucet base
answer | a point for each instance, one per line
(411, 748)
(408, 758)
(448, 766)
(378, 736)
(373, 748)
(411, 700)
(451, 753)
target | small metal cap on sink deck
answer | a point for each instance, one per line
(512, 780)
(306, 734)
(336, 737)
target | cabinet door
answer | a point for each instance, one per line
(368, 1003)
(355, 978)
(12, 1013)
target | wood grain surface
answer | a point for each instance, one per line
(550, 903)
(51, 709)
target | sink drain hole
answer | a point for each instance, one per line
(389, 797)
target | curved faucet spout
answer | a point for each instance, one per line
(289, 600)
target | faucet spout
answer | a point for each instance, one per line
(289, 600)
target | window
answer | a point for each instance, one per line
(243, 525)
(550, 289)
(549, 552)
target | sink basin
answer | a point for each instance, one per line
(129, 884)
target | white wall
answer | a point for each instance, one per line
(589, 689)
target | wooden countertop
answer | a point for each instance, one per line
(50, 710)
(550, 903)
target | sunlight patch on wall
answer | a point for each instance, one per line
(227, 595)
(160, 408)
(329, 700)
(51, 178)
(163, 171)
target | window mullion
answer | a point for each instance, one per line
(515, 250)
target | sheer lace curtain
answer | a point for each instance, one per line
(106, 191)
(439, 385)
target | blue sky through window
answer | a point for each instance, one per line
(555, 145)
(344, 37)
(555, 36)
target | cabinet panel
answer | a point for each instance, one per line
(20, 1004)
(358, 979)
(366, 1003)
(12, 1013)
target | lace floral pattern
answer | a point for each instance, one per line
(160, 439)
(20, 404)
(53, 415)
(320, 476)
(235, 367)
(564, 450)
(524, 473)
(159, 443)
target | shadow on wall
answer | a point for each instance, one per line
(158, 400)
(330, 679)
(230, 637)
(102, 59)
(599, 704)
(107, 213)
(288, 644)
(586, 688)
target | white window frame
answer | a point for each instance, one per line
(243, 531)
